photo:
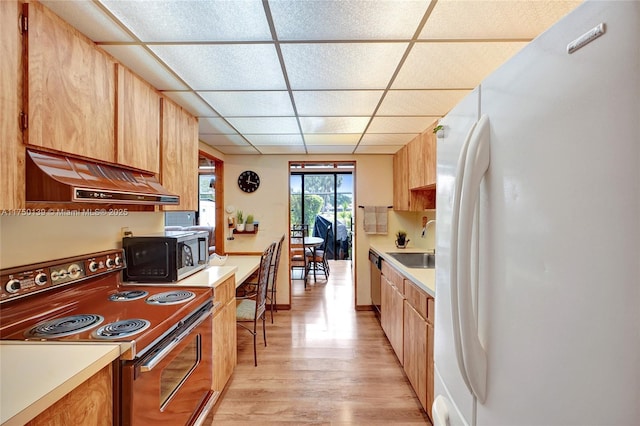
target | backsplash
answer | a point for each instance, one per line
(411, 222)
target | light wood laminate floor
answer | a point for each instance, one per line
(325, 363)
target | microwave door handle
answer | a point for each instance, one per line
(155, 360)
(204, 250)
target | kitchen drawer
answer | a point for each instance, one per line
(416, 297)
(225, 291)
(393, 276)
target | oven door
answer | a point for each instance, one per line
(172, 383)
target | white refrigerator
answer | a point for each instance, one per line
(538, 233)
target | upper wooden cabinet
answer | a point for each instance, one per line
(179, 155)
(138, 123)
(71, 89)
(11, 150)
(414, 174)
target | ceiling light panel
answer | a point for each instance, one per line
(260, 140)
(265, 125)
(180, 21)
(420, 102)
(337, 102)
(215, 126)
(379, 139)
(492, 19)
(341, 65)
(400, 124)
(333, 124)
(335, 139)
(452, 65)
(346, 20)
(222, 140)
(225, 67)
(89, 19)
(192, 103)
(267, 103)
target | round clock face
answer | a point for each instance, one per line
(248, 181)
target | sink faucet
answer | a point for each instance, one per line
(426, 226)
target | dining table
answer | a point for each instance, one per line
(309, 242)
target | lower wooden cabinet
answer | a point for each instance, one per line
(415, 351)
(391, 316)
(224, 334)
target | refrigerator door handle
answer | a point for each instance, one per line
(455, 215)
(476, 165)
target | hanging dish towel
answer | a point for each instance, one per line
(381, 219)
(370, 223)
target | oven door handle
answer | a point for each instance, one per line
(157, 358)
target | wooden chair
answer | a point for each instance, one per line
(297, 258)
(251, 308)
(317, 259)
(273, 279)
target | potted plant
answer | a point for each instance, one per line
(249, 227)
(240, 217)
(401, 239)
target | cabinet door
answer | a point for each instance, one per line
(224, 345)
(416, 161)
(415, 352)
(179, 155)
(71, 89)
(12, 183)
(401, 180)
(430, 370)
(138, 124)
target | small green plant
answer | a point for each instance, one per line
(240, 216)
(401, 236)
(249, 218)
(438, 127)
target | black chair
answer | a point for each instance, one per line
(251, 308)
(317, 258)
(273, 278)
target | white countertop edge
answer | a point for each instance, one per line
(19, 407)
(424, 278)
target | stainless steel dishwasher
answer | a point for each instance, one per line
(375, 266)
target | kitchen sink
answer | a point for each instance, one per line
(415, 260)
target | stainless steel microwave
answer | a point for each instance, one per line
(166, 257)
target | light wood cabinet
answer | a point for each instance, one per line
(224, 334)
(392, 309)
(179, 155)
(71, 89)
(12, 153)
(91, 403)
(138, 123)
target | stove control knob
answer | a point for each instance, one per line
(118, 261)
(110, 263)
(93, 266)
(13, 286)
(41, 279)
(74, 271)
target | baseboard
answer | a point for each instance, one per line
(364, 308)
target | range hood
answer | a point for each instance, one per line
(60, 178)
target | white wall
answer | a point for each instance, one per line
(31, 239)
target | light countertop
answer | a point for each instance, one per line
(424, 278)
(29, 381)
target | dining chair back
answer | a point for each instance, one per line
(297, 258)
(317, 258)
(251, 309)
(273, 277)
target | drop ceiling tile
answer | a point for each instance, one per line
(333, 124)
(192, 103)
(240, 150)
(335, 140)
(225, 67)
(177, 21)
(454, 65)
(214, 125)
(275, 139)
(377, 149)
(330, 149)
(281, 149)
(490, 19)
(420, 102)
(143, 63)
(346, 20)
(238, 104)
(89, 19)
(314, 66)
(387, 139)
(400, 124)
(222, 140)
(265, 125)
(337, 102)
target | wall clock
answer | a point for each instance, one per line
(248, 181)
